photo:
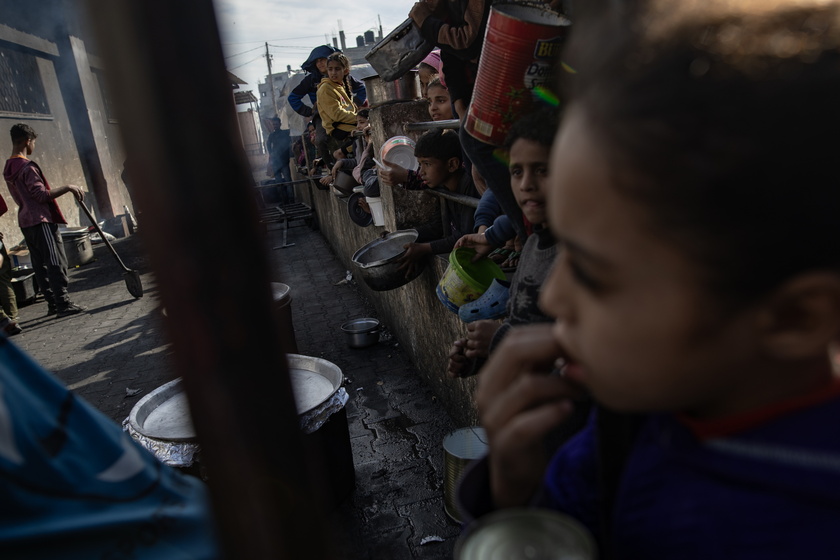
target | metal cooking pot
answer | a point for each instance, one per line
(400, 51)
(345, 182)
(377, 261)
(361, 333)
(404, 88)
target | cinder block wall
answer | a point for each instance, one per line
(413, 313)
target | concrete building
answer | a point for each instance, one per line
(52, 79)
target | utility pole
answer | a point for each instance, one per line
(271, 81)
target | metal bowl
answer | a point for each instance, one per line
(361, 333)
(377, 261)
(164, 414)
(404, 88)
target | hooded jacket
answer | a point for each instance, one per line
(31, 191)
(310, 82)
(336, 109)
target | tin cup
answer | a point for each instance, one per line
(520, 534)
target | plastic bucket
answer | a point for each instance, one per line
(460, 448)
(465, 281)
(375, 204)
(520, 47)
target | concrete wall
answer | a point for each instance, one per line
(78, 142)
(55, 150)
(413, 313)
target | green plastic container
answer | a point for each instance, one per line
(464, 281)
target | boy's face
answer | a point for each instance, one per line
(435, 172)
(30, 146)
(361, 122)
(336, 72)
(440, 106)
(321, 65)
(529, 177)
(633, 315)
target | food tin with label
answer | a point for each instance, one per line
(520, 534)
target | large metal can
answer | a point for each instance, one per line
(526, 534)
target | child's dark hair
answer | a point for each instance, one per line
(729, 139)
(435, 82)
(21, 133)
(539, 125)
(364, 113)
(342, 59)
(440, 144)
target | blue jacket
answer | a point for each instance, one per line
(769, 491)
(309, 84)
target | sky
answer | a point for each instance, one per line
(292, 28)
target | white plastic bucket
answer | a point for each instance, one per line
(376, 211)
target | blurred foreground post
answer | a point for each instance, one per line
(198, 216)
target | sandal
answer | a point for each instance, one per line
(499, 255)
(492, 304)
(511, 262)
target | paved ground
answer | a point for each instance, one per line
(116, 353)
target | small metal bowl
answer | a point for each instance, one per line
(361, 333)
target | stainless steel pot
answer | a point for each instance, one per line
(400, 51)
(361, 333)
(345, 182)
(377, 261)
(404, 88)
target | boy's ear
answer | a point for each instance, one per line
(453, 164)
(802, 317)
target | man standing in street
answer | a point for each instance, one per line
(279, 147)
(38, 218)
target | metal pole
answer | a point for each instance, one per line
(271, 80)
(470, 201)
(453, 124)
(191, 175)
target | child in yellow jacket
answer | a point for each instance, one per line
(335, 105)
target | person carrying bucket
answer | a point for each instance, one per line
(528, 147)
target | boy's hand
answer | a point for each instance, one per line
(479, 336)
(77, 192)
(459, 365)
(519, 403)
(475, 241)
(413, 256)
(393, 175)
(326, 180)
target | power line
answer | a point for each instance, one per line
(243, 52)
(246, 63)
